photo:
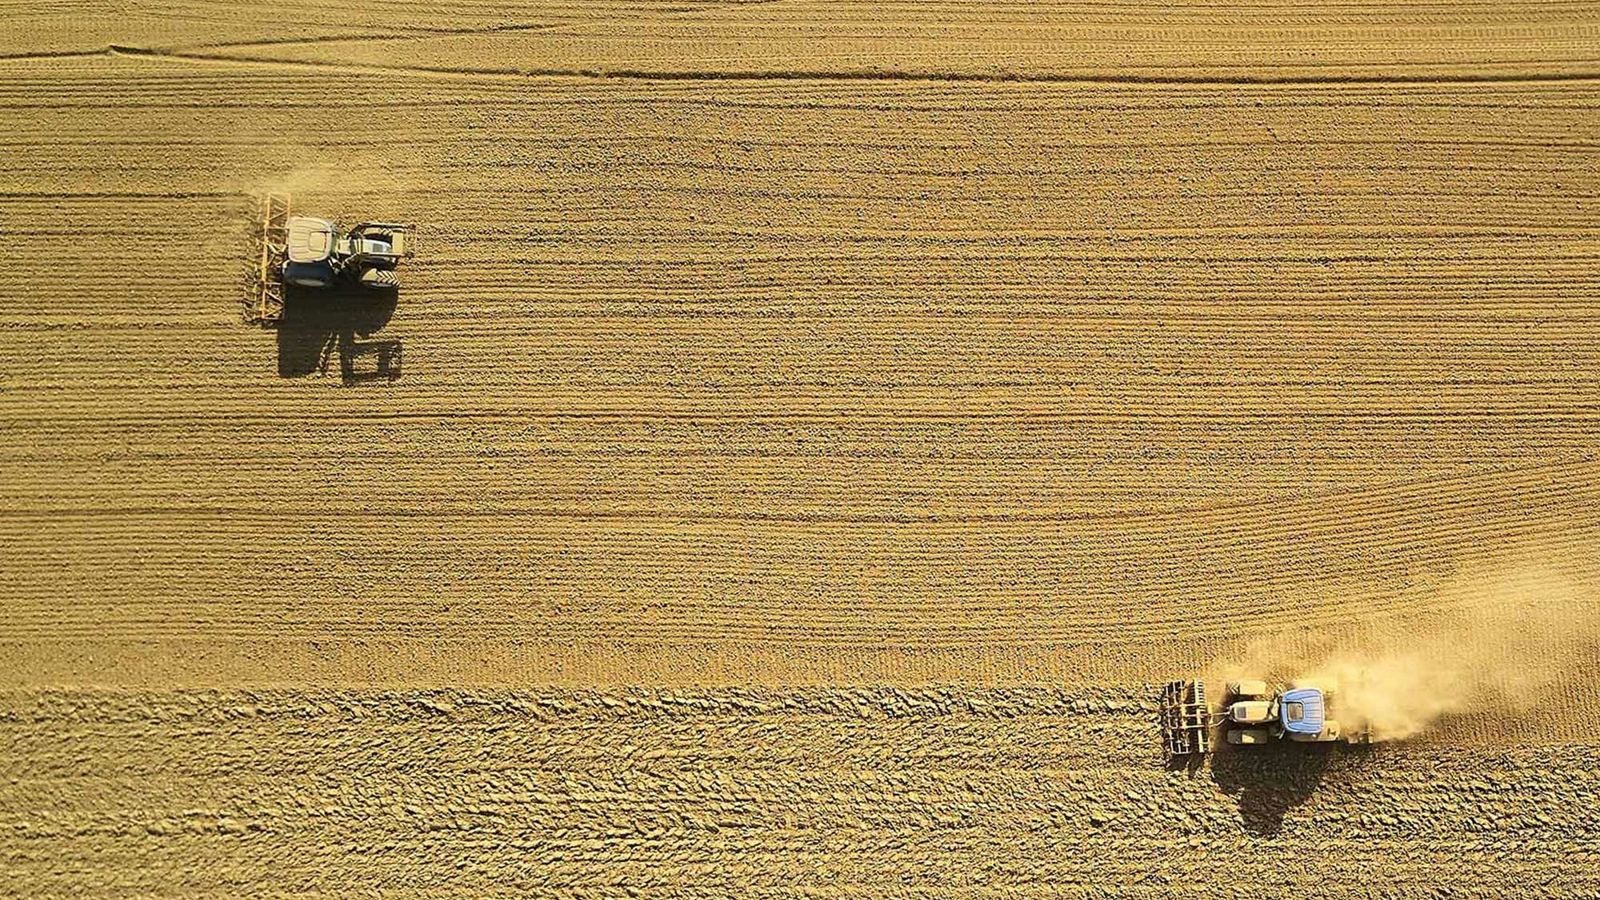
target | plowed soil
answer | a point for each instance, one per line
(822, 426)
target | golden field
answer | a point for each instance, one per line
(822, 426)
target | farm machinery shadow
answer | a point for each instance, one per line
(318, 326)
(1268, 782)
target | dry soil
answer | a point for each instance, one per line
(821, 426)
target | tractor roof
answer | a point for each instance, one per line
(310, 240)
(1303, 710)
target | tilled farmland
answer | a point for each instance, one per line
(822, 427)
(742, 792)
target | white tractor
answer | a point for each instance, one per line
(308, 253)
(319, 257)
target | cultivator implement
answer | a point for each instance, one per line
(263, 298)
(1185, 718)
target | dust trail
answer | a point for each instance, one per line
(301, 178)
(360, 183)
(1503, 645)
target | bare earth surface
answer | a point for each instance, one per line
(822, 423)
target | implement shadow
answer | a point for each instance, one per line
(1269, 781)
(316, 324)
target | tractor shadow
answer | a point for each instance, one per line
(1267, 782)
(318, 327)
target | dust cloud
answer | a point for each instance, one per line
(301, 178)
(1502, 643)
(319, 185)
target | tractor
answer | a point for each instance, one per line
(1252, 713)
(311, 253)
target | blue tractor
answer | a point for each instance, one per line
(1253, 712)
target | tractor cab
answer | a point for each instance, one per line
(309, 252)
(1302, 711)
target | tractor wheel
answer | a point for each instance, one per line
(1359, 736)
(381, 279)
